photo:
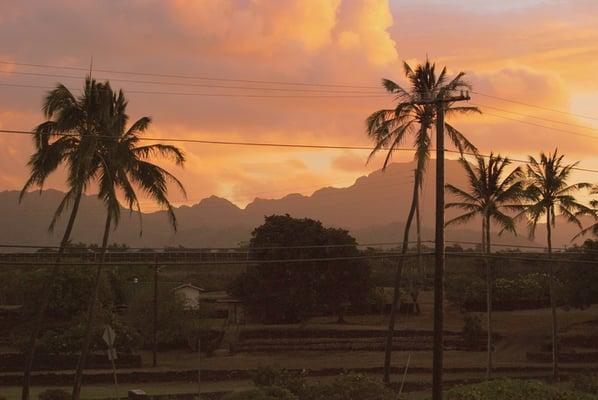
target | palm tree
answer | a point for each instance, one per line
(547, 191)
(389, 128)
(488, 195)
(121, 165)
(594, 213)
(66, 137)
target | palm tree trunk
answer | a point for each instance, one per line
(91, 313)
(46, 296)
(555, 339)
(397, 283)
(489, 280)
(419, 274)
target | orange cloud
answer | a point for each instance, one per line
(520, 50)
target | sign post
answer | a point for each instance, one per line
(109, 336)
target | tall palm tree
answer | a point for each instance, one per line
(389, 128)
(121, 165)
(547, 191)
(488, 195)
(67, 137)
(593, 213)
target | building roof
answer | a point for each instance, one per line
(188, 286)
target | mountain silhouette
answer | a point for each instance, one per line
(372, 209)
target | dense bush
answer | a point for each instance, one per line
(293, 381)
(512, 389)
(178, 326)
(349, 387)
(70, 294)
(468, 292)
(68, 339)
(587, 383)
(344, 387)
(261, 393)
(54, 394)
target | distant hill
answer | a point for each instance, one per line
(373, 209)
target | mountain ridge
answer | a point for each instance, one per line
(372, 209)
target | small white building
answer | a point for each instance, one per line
(215, 301)
(191, 295)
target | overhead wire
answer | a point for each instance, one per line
(187, 84)
(532, 116)
(286, 145)
(534, 105)
(266, 81)
(191, 77)
(198, 94)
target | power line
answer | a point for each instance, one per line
(269, 82)
(233, 143)
(534, 105)
(386, 255)
(543, 126)
(286, 145)
(194, 250)
(535, 117)
(523, 246)
(187, 84)
(197, 94)
(242, 250)
(522, 258)
(193, 77)
(227, 262)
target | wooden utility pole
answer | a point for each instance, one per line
(437, 363)
(155, 320)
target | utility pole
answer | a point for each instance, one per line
(438, 355)
(438, 351)
(155, 320)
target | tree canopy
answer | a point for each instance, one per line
(279, 291)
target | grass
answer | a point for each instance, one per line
(105, 391)
(521, 331)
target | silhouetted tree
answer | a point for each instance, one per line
(548, 190)
(389, 128)
(121, 165)
(279, 291)
(68, 137)
(487, 196)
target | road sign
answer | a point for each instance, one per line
(111, 353)
(109, 336)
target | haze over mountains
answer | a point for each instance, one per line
(373, 209)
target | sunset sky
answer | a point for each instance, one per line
(541, 52)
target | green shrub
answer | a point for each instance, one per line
(349, 387)
(271, 376)
(513, 389)
(69, 339)
(467, 291)
(54, 394)
(587, 383)
(262, 393)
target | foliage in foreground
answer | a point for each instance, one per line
(54, 394)
(587, 383)
(262, 393)
(344, 387)
(513, 389)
